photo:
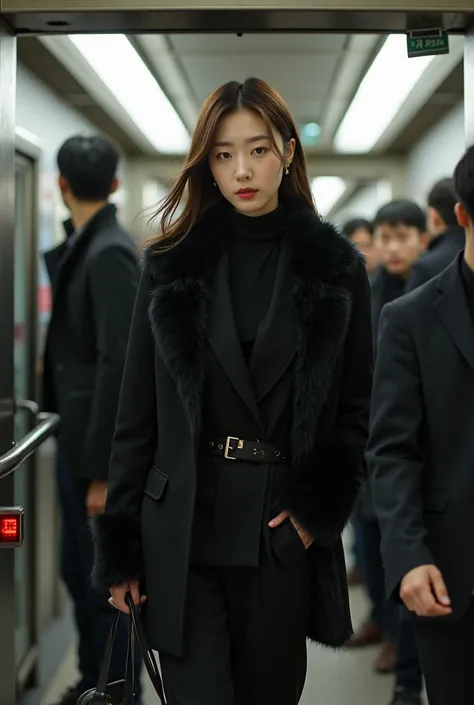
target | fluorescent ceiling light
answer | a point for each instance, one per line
(327, 190)
(120, 67)
(382, 92)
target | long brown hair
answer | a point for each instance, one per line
(253, 94)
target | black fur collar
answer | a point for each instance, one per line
(319, 257)
(319, 252)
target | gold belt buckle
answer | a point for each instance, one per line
(228, 447)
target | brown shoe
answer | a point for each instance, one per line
(367, 635)
(385, 661)
(354, 578)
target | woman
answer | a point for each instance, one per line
(243, 417)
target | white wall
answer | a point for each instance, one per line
(40, 111)
(436, 154)
(432, 158)
(365, 202)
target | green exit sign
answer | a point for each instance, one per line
(428, 44)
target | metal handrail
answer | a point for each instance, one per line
(21, 451)
(27, 405)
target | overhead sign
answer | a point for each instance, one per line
(427, 44)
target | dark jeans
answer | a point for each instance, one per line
(385, 613)
(92, 611)
(408, 675)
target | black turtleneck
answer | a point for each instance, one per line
(254, 250)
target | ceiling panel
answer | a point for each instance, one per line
(301, 68)
(42, 63)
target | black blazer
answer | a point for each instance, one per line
(421, 445)
(320, 328)
(441, 252)
(94, 286)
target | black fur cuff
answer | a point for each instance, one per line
(117, 550)
(323, 489)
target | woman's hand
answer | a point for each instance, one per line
(306, 538)
(119, 592)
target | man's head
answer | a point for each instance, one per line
(464, 188)
(360, 233)
(441, 203)
(400, 233)
(87, 170)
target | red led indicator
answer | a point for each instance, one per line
(9, 529)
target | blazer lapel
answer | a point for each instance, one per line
(222, 335)
(453, 311)
(275, 346)
(310, 294)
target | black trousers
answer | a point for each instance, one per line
(92, 612)
(384, 612)
(245, 633)
(447, 658)
(408, 675)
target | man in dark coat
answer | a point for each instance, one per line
(446, 237)
(400, 237)
(94, 276)
(420, 453)
(446, 240)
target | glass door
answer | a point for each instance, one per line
(25, 286)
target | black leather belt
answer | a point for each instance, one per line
(232, 448)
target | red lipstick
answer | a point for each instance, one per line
(246, 193)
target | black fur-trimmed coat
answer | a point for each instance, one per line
(146, 530)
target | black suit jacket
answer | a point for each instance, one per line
(441, 252)
(245, 401)
(421, 445)
(185, 370)
(94, 286)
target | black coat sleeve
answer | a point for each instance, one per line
(326, 484)
(113, 283)
(116, 533)
(393, 453)
(352, 419)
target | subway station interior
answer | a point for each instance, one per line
(376, 124)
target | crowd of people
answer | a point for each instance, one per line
(405, 246)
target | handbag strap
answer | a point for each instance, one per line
(100, 697)
(148, 655)
(129, 687)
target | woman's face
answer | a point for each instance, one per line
(246, 170)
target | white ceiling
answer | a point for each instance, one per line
(304, 69)
(301, 69)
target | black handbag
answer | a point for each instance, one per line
(122, 692)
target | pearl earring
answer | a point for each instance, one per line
(214, 183)
(287, 171)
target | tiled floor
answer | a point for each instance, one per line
(333, 678)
